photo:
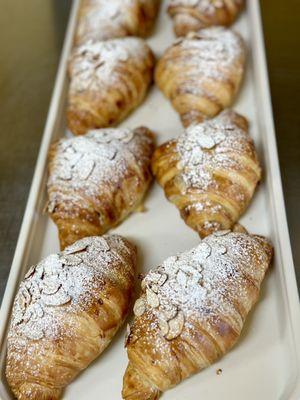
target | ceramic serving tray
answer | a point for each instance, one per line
(264, 365)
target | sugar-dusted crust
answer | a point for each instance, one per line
(210, 172)
(201, 73)
(108, 19)
(107, 81)
(192, 310)
(193, 15)
(66, 311)
(96, 180)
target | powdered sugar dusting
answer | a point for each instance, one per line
(210, 281)
(62, 283)
(212, 53)
(207, 147)
(94, 64)
(204, 6)
(105, 19)
(83, 164)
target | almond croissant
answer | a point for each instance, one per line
(201, 73)
(96, 180)
(107, 81)
(192, 310)
(67, 309)
(210, 172)
(108, 19)
(193, 15)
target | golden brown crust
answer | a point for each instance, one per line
(201, 74)
(103, 20)
(191, 16)
(107, 81)
(97, 180)
(192, 310)
(67, 309)
(210, 172)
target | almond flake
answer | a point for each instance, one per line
(30, 272)
(163, 326)
(71, 260)
(59, 299)
(154, 288)
(169, 312)
(163, 278)
(206, 142)
(221, 250)
(222, 233)
(65, 174)
(127, 335)
(50, 286)
(204, 250)
(152, 298)
(128, 137)
(181, 278)
(76, 248)
(85, 168)
(139, 307)
(175, 326)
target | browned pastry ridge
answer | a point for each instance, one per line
(201, 74)
(192, 310)
(107, 81)
(193, 15)
(97, 180)
(108, 19)
(67, 309)
(210, 172)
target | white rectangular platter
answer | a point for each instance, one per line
(265, 363)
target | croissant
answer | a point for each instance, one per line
(107, 81)
(96, 180)
(191, 16)
(201, 73)
(192, 310)
(210, 172)
(102, 19)
(67, 309)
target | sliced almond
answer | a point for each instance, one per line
(102, 244)
(71, 260)
(85, 168)
(206, 142)
(163, 326)
(58, 299)
(65, 174)
(127, 335)
(154, 288)
(163, 278)
(221, 250)
(144, 284)
(222, 233)
(25, 298)
(152, 298)
(76, 248)
(128, 137)
(139, 307)
(175, 326)
(50, 286)
(50, 207)
(34, 333)
(181, 278)
(203, 251)
(169, 311)
(37, 312)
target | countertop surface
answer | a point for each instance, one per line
(31, 38)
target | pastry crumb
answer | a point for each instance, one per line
(219, 371)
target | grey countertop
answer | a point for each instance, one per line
(31, 37)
